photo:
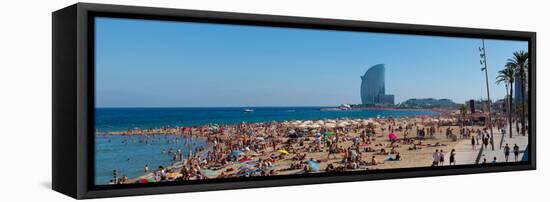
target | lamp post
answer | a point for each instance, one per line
(483, 62)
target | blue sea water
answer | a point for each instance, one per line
(128, 156)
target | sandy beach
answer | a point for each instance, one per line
(310, 146)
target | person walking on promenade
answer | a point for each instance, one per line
(435, 158)
(441, 157)
(485, 141)
(478, 136)
(506, 152)
(473, 142)
(452, 157)
(516, 152)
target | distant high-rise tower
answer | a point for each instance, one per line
(373, 90)
(472, 106)
(518, 92)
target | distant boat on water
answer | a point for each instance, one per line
(248, 110)
(342, 107)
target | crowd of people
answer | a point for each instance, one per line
(274, 148)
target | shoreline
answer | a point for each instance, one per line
(174, 166)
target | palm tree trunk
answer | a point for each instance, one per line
(523, 107)
(510, 104)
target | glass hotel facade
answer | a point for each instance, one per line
(373, 89)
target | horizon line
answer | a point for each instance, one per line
(214, 106)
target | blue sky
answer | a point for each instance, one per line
(147, 63)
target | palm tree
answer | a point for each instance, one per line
(520, 62)
(463, 111)
(507, 76)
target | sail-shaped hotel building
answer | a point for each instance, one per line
(373, 87)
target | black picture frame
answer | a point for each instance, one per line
(73, 98)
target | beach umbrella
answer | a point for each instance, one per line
(315, 125)
(282, 151)
(145, 180)
(209, 173)
(392, 136)
(328, 133)
(330, 125)
(173, 175)
(314, 165)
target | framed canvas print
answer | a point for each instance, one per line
(156, 100)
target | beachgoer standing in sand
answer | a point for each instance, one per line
(373, 161)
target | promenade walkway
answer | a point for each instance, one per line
(465, 154)
(521, 141)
